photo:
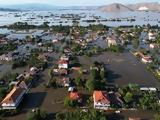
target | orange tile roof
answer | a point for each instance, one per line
(74, 95)
(101, 96)
(13, 95)
(15, 92)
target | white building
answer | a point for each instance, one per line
(54, 40)
(111, 41)
(6, 57)
(151, 36)
(146, 59)
(153, 45)
(144, 8)
(63, 64)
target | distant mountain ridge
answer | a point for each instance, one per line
(8, 9)
(43, 7)
(117, 7)
(31, 6)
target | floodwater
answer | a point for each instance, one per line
(143, 114)
(66, 17)
(7, 68)
(123, 68)
(22, 34)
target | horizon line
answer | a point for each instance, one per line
(75, 5)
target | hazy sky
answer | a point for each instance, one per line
(73, 2)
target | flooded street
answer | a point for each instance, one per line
(147, 115)
(124, 68)
(48, 99)
(7, 68)
(34, 98)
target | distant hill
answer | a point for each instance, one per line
(8, 10)
(32, 7)
(116, 7)
(154, 6)
(43, 7)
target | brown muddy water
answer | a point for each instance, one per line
(123, 68)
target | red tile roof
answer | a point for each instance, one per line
(62, 62)
(101, 96)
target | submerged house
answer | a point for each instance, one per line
(75, 96)
(111, 41)
(152, 36)
(146, 59)
(15, 96)
(101, 100)
(153, 45)
(6, 57)
(63, 64)
(64, 82)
